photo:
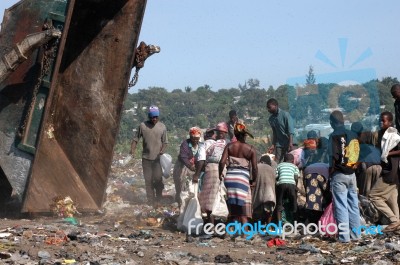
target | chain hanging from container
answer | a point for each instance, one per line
(48, 55)
(142, 52)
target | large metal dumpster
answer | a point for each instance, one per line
(58, 128)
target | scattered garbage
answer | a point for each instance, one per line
(276, 242)
(5, 235)
(71, 220)
(128, 231)
(5, 255)
(125, 161)
(223, 259)
(63, 207)
(310, 248)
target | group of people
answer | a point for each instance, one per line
(350, 163)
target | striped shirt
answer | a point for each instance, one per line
(285, 173)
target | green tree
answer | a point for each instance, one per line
(177, 91)
(270, 92)
(385, 98)
(242, 87)
(389, 81)
(253, 83)
(182, 109)
(310, 78)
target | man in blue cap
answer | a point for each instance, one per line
(154, 134)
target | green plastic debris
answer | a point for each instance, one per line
(71, 220)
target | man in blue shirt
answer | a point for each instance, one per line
(282, 130)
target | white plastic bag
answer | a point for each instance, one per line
(126, 160)
(166, 164)
(220, 208)
(192, 220)
(186, 194)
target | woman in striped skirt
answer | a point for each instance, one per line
(240, 160)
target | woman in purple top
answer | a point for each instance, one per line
(185, 166)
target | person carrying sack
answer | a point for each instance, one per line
(192, 220)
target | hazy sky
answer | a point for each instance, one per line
(223, 43)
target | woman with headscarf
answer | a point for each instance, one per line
(240, 160)
(211, 181)
(185, 166)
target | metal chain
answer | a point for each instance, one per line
(139, 61)
(134, 78)
(49, 53)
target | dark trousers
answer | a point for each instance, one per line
(280, 152)
(286, 191)
(152, 173)
(313, 216)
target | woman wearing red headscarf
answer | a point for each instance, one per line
(185, 166)
(211, 182)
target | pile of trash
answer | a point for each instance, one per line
(64, 207)
(128, 231)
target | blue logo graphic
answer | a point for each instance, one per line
(346, 89)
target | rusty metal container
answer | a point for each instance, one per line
(70, 117)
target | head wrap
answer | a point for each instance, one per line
(240, 128)
(310, 144)
(222, 127)
(154, 111)
(195, 132)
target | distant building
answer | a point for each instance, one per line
(323, 130)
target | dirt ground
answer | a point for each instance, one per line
(127, 231)
(120, 238)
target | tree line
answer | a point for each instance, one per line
(204, 107)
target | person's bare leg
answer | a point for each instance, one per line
(212, 219)
(269, 218)
(243, 220)
(279, 216)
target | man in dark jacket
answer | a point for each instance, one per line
(343, 180)
(282, 130)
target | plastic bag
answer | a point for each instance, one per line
(220, 208)
(166, 164)
(126, 160)
(192, 220)
(186, 194)
(326, 219)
